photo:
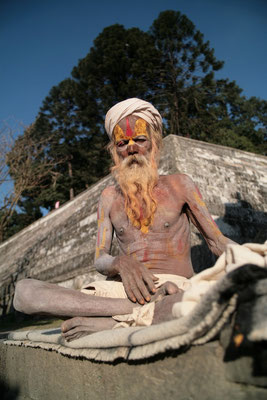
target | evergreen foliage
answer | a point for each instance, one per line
(186, 71)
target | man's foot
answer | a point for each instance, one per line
(168, 288)
(163, 308)
(77, 327)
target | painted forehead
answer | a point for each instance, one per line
(130, 127)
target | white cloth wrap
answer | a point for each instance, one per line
(141, 316)
(136, 107)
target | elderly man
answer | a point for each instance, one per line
(150, 215)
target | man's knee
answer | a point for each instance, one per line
(23, 293)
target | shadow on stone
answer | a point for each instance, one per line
(245, 354)
(7, 392)
(17, 320)
(240, 222)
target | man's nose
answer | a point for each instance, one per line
(132, 147)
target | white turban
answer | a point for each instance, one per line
(136, 107)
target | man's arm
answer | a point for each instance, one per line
(136, 278)
(201, 218)
(103, 259)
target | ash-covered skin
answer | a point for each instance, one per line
(165, 248)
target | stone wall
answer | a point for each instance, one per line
(60, 246)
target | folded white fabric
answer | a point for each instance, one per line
(234, 256)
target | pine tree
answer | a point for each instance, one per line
(186, 70)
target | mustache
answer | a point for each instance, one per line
(135, 159)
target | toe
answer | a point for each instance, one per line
(171, 288)
(70, 323)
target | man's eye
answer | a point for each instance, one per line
(140, 140)
(121, 144)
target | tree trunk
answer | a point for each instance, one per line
(176, 116)
(71, 176)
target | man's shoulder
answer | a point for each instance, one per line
(109, 191)
(176, 179)
(107, 197)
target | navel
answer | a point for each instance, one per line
(121, 230)
(166, 225)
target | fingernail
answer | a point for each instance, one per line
(147, 298)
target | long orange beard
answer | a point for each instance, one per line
(137, 177)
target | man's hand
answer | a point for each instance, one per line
(137, 280)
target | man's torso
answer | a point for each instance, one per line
(166, 246)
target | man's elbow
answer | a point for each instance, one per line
(219, 246)
(99, 266)
(103, 264)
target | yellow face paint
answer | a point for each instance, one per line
(140, 129)
(118, 133)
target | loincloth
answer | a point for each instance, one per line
(142, 315)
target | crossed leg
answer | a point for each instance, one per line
(165, 297)
(91, 313)
(37, 297)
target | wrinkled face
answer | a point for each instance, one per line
(132, 137)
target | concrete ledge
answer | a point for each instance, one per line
(196, 374)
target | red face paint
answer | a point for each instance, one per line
(129, 132)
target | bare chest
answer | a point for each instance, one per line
(169, 215)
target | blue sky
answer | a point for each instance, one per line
(41, 41)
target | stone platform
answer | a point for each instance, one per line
(196, 374)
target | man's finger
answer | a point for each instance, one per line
(143, 289)
(128, 289)
(138, 294)
(137, 286)
(150, 282)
